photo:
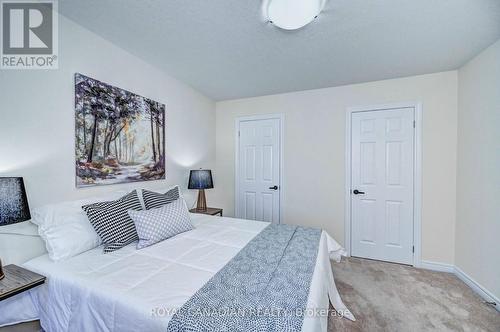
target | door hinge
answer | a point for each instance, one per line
(413, 249)
(414, 124)
(239, 133)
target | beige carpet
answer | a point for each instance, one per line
(392, 297)
(23, 327)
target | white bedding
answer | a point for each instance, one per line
(19, 243)
(136, 290)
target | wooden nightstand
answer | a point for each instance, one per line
(18, 280)
(209, 211)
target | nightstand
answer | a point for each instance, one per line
(209, 211)
(18, 280)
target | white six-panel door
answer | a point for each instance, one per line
(258, 173)
(382, 184)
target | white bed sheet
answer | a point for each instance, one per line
(138, 290)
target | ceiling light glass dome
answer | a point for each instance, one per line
(292, 14)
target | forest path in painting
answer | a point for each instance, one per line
(126, 173)
(120, 136)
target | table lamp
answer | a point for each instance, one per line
(13, 203)
(201, 179)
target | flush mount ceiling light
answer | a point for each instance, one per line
(292, 14)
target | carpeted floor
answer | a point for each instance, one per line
(391, 297)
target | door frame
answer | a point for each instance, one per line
(417, 174)
(237, 121)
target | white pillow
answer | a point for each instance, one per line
(19, 243)
(65, 227)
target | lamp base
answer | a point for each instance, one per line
(1, 271)
(201, 205)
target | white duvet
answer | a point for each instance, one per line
(139, 290)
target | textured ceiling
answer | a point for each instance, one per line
(226, 50)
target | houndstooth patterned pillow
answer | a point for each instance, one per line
(159, 224)
(112, 222)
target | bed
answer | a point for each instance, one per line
(131, 290)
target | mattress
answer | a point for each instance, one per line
(130, 290)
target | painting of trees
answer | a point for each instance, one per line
(120, 136)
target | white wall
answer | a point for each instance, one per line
(478, 177)
(314, 155)
(37, 117)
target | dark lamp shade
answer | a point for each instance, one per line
(200, 179)
(13, 202)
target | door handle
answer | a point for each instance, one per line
(357, 192)
(274, 188)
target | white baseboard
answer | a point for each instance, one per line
(480, 290)
(434, 266)
(474, 285)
